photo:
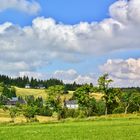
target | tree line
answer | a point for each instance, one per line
(34, 83)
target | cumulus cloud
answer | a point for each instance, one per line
(68, 76)
(71, 75)
(124, 72)
(21, 5)
(31, 47)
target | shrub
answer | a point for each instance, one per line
(74, 113)
(81, 114)
(13, 112)
(100, 105)
(118, 110)
(29, 112)
(45, 111)
(69, 113)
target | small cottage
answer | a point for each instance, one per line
(40, 86)
(27, 86)
(15, 100)
(71, 104)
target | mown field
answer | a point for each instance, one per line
(106, 129)
(37, 93)
(111, 127)
(42, 92)
(26, 92)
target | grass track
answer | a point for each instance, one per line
(120, 129)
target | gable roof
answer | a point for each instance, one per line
(27, 85)
(73, 102)
(14, 99)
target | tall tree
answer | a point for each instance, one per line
(108, 96)
(129, 99)
(136, 100)
(53, 99)
(86, 103)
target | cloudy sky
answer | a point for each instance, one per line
(73, 40)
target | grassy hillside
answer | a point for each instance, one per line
(38, 92)
(41, 92)
(25, 92)
(117, 129)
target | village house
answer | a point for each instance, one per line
(15, 100)
(27, 86)
(71, 104)
(40, 86)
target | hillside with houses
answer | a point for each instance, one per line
(85, 101)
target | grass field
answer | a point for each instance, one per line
(37, 93)
(41, 92)
(117, 129)
(25, 92)
(111, 127)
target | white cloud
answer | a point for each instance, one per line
(37, 75)
(71, 75)
(31, 47)
(83, 79)
(68, 76)
(21, 5)
(124, 72)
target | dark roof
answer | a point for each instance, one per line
(14, 101)
(27, 85)
(71, 102)
(40, 85)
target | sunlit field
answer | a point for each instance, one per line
(110, 129)
(43, 93)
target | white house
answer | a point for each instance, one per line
(27, 86)
(71, 104)
(40, 86)
(15, 100)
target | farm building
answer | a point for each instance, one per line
(27, 86)
(71, 104)
(15, 100)
(40, 86)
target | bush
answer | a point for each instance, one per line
(69, 113)
(81, 114)
(100, 105)
(74, 113)
(29, 112)
(133, 108)
(45, 111)
(5, 108)
(118, 110)
(34, 120)
(13, 112)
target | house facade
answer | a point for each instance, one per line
(71, 104)
(41, 86)
(15, 100)
(27, 86)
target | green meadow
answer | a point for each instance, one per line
(102, 129)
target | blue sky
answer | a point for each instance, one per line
(95, 36)
(68, 12)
